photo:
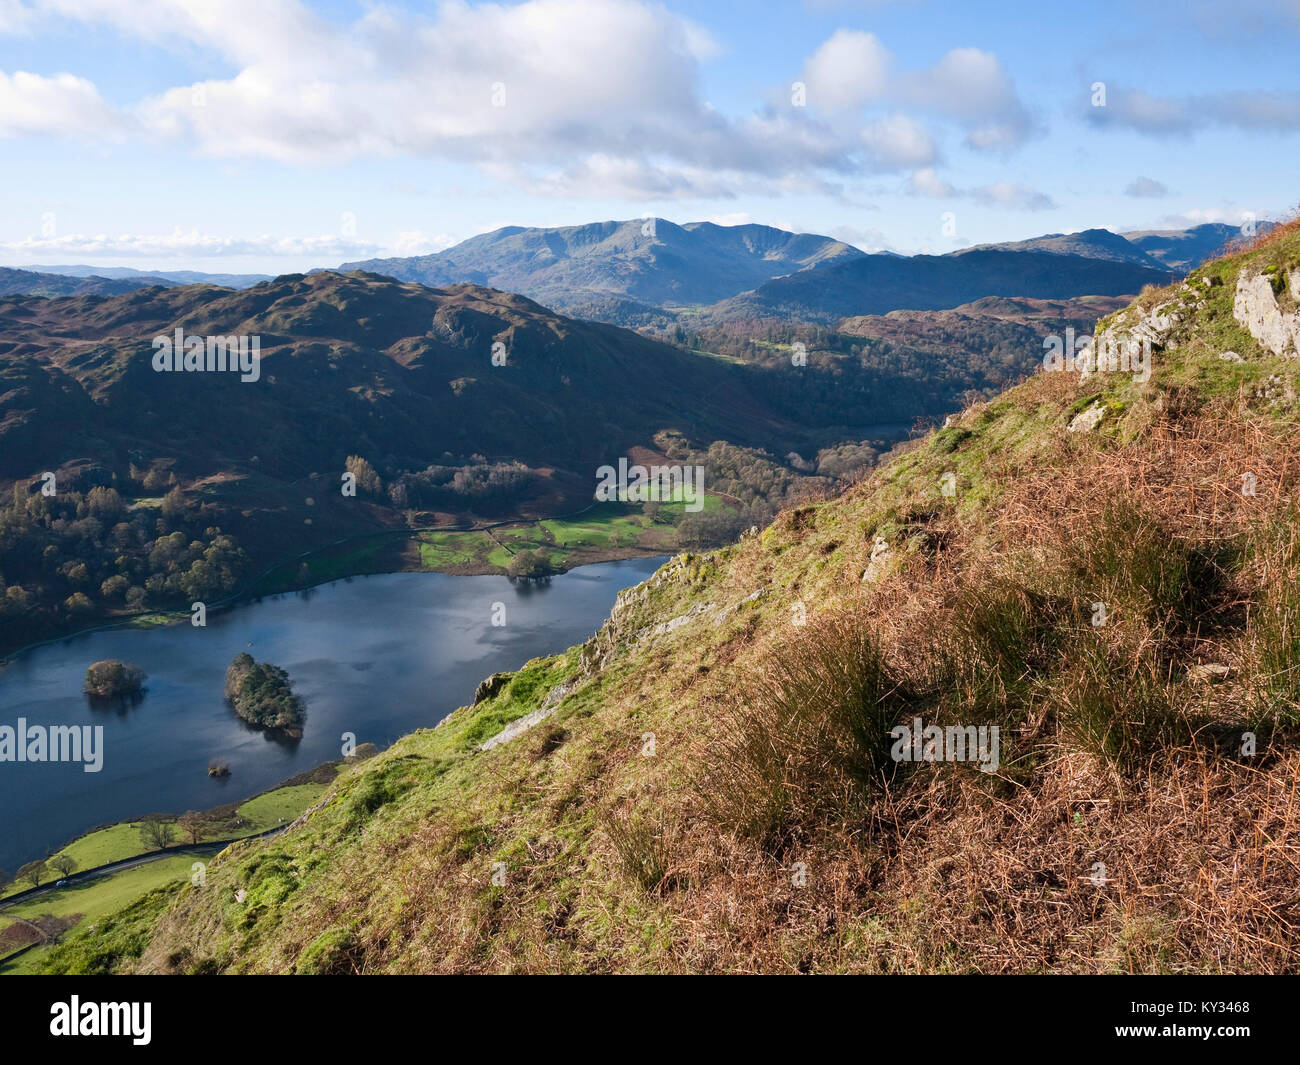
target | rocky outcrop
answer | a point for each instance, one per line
(489, 686)
(1255, 307)
(518, 728)
(1088, 420)
(882, 556)
(1121, 348)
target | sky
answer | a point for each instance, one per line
(274, 136)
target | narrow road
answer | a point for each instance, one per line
(131, 863)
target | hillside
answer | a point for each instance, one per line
(1182, 250)
(350, 364)
(1089, 243)
(38, 283)
(653, 277)
(175, 486)
(903, 366)
(651, 262)
(157, 277)
(877, 284)
(1103, 567)
(997, 332)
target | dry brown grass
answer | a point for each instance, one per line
(1118, 759)
(1281, 232)
(809, 737)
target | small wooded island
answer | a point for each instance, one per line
(111, 679)
(261, 695)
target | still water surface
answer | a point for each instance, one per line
(377, 656)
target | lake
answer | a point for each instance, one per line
(377, 656)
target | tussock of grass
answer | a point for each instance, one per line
(643, 846)
(810, 734)
(1275, 629)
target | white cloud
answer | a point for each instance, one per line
(1234, 216)
(1168, 116)
(735, 218)
(969, 86)
(926, 182)
(852, 71)
(14, 17)
(849, 69)
(1141, 111)
(598, 98)
(62, 105)
(416, 242)
(868, 240)
(619, 177)
(559, 96)
(1253, 110)
(1016, 197)
(1146, 188)
(897, 141)
(191, 244)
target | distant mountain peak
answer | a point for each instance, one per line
(650, 261)
(1089, 243)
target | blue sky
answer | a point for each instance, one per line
(275, 135)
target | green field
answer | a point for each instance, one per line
(602, 528)
(283, 804)
(605, 526)
(444, 549)
(156, 619)
(121, 841)
(99, 897)
(104, 895)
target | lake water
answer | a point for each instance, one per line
(377, 656)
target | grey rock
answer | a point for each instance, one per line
(1088, 420)
(1255, 307)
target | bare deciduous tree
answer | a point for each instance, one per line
(63, 863)
(34, 872)
(157, 833)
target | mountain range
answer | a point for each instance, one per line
(877, 284)
(647, 273)
(351, 364)
(639, 272)
(34, 283)
(156, 277)
(649, 261)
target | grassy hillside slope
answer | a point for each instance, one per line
(880, 283)
(709, 786)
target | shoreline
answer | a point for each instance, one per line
(251, 595)
(245, 598)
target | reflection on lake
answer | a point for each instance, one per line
(377, 656)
